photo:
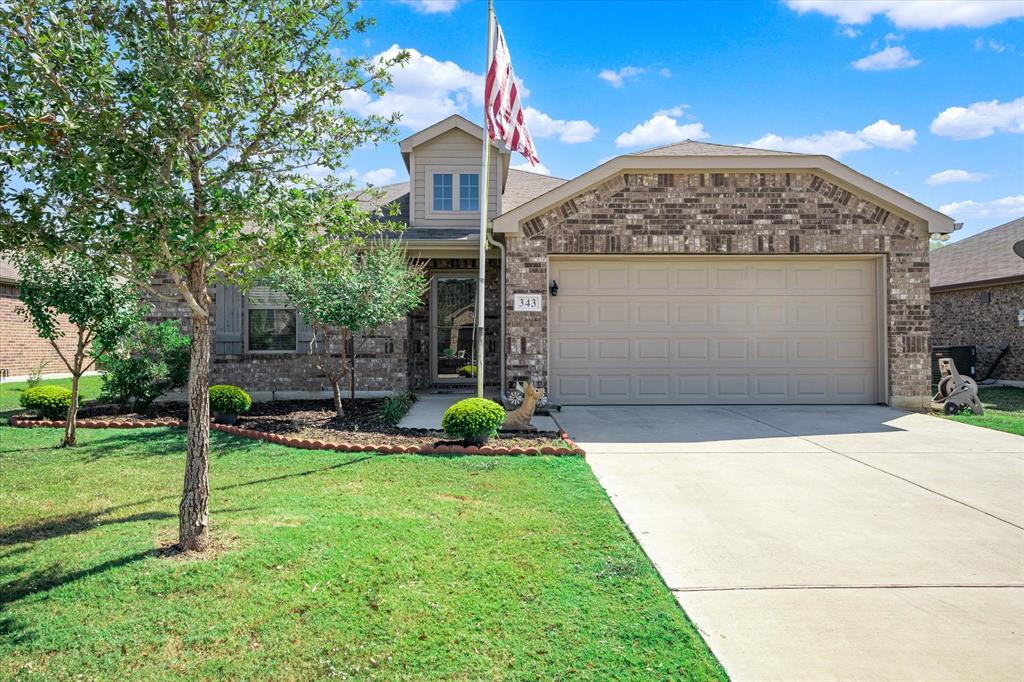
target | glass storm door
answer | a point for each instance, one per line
(454, 325)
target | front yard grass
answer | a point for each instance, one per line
(329, 565)
(1004, 409)
(10, 391)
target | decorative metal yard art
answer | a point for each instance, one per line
(956, 392)
(519, 420)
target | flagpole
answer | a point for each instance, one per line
(484, 195)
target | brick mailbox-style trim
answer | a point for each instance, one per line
(748, 213)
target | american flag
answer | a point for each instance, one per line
(503, 105)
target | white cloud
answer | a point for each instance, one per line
(425, 90)
(980, 119)
(849, 31)
(836, 143)
(379, 176)
(895, 57)
(570, 132)
(665, 73)
(660, 129)
(674, 112)
(618, 78)
(431, 6)
(916, 14)
(539, 169)
(889, 135)
(1006, 208)
(954, 175)
(991, 44)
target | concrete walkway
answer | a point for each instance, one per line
(428, 409)
(826, 543)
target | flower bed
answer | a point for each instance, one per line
(312, 424)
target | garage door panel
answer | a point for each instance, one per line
(697, 330)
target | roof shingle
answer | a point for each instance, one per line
(982, 258)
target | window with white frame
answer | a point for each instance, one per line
(270, 322)
(453, 191)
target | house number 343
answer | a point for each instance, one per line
(530, 303)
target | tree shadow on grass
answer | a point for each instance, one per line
(297, 474)
(51, 577)
(73, 524)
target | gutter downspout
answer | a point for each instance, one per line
(504, 300)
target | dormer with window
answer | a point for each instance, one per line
(444, 169)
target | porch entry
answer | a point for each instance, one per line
(453, 325)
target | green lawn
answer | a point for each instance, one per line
(89, 389)
(1004, 409)
(332, 565)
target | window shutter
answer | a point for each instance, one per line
(227, 319)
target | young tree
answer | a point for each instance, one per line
(348, 292)
(103, 309)
(199, 139)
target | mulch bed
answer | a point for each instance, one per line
(314, 424)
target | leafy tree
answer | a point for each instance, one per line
(150, 362)
(198, 139)
(348, 292)
(103, 309)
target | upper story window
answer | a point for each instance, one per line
(454, 192)
(469, 191)
(443, 192)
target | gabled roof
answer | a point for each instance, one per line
(987, 257)
(520, 187)
(443, 126)
(693, 148)
(703, 156)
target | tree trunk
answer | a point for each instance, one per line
(70, 439)
(193, 513)
(336, 388)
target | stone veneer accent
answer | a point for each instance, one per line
(727, 213)
(963, 317)
(22, 352)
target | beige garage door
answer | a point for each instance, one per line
(681, 330)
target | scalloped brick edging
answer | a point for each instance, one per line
(93, 423)
(309, 444)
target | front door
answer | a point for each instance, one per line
(453, 321)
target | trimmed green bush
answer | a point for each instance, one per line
(228, 399)
(51, 402)
(473, 419)
(396, 407)
(150, 362)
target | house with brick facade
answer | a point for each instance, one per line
(977, 288)
(689, 273)
(22, 352)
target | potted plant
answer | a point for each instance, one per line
(474, 420)
(227, 402)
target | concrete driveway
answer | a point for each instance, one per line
(820, 543)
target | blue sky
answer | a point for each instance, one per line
(927, 97)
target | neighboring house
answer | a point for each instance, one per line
(978, 298)
(690, 273)
(22, 352)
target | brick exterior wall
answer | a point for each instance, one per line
(22, 352)
(727, 213)
(381, 358)
(963, 318)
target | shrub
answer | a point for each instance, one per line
(228, 399)
(467, 371)
(473, 417)
(396, 407)
(52, 402)
(153, 361)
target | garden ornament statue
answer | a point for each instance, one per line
(519, 419)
